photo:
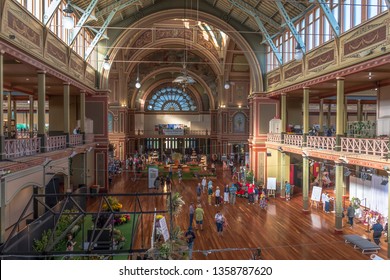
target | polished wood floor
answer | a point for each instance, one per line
(283, 231)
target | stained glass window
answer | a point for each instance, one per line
(171, 99)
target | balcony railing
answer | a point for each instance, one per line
(321, 142)
(293, 139)
(14, 148)
(173, 133)
(274, 137)
(75, 139)
(56, 143)
(376, 147)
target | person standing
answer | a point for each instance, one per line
(192, 212)
(209, 195)
(217, 196)
(251, 190)
(350, 214)
(323, 196)
(219, 220)
(70, 243)
(210, 184)
(226, 194)
(377, 228)
(199, 213)
(190, 238)
(233, 191)
(288, 190)
(198, 192)
(204, 183)
(327, 203)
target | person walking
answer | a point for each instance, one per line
(217, 196)
(198, 192)
(190, 238)
(288, 190)
(226, 194)
(209, 195)
(376, 235)
(199, 214)
(233, 191)
(192, 212)
(251, 190)
(350, 214)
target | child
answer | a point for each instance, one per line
(180, 175)
(263, 201)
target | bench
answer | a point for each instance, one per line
(366, 246)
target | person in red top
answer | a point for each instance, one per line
(251, 190)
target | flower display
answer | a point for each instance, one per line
(121, 219)
(114, 203)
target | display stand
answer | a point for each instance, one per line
(315, 196)
(271, 193)
(271, 187)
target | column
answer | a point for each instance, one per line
(329, 116)
(41, 108)
(15, 116)
(2, 137)
(305, 189)
(67, 111)
(31, 118)
(339, 112)
(321, 118)
(82, 111)
(359, 110)
(9, 113)
(3, 215)
(339, 196)
(345, 123)
(282, 174)
(306, 92)
(283, 115)
(388, 210)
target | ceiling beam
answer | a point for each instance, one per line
(297, 5)
(291, 26)
(245, 7)
(116, 5)
(105, 25)
(82, 20)
(330, 17)
(49, 12)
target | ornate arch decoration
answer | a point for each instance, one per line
(256, 82)
(171, 99)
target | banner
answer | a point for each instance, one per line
(152, 175)
(170, 129)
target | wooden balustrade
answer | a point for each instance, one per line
(321, 142)
(56, 143)
(147, 133)
(75, 139)
(274, 137)
(293, 139)
(14, 148)
(376, 147)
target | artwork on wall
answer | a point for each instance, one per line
(239, 123)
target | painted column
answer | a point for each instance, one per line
(82, 111)
(321, 118)
(388, 210)
(283, 114)
(339, 197)
(2, 137)
(41, 108)
(329, 117)
(9, 113)
(305, 187)
(339, 112)
(31, 116)
(359, 110)
(282, 174)
(306, 92)
(345, 116)
(15, 116)
(67, 111)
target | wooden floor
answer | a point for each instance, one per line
(283, 231)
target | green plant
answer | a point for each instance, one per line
(40, 244)
(355, 202)
(175, 204)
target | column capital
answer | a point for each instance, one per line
(283, 94)
(340, 78)
(41, 72)
(2, 52)
(83, 91)
(66, 83)
(306, 88)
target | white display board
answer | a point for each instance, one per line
(152, 175)
(164, 228)
(316, 193)
(271, 183)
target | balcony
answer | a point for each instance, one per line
(185, 132)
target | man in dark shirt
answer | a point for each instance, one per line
(190, 237)
(377, 228)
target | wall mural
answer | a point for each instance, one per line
(239, 123)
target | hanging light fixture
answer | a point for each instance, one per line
(68, 19)
(184, 80)
(227, 85)
(137, 81)
(106, 63)
(298, 52)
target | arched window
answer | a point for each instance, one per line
(239, 123)
(171, 99)
(110, 122)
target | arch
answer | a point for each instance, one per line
(256, 82)
(171, 99)
(20, 188)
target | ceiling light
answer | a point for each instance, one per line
(68, 8)
(227, 85)
(106, 63)
(137, 81)
(68, 22)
